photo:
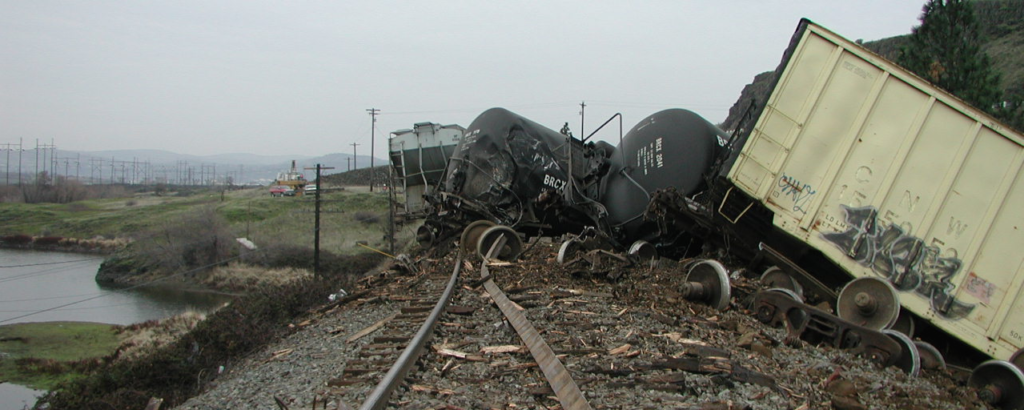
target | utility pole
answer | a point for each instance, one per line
(20, 150)
(7, 175)
(583, 108)
(316, 226)
(354, 155)
(348, 161)
(391, 199)
(373, 128)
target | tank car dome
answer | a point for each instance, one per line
(673, 148)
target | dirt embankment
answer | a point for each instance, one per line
(98, 245)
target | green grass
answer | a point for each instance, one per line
(249, 212)
(54, 346)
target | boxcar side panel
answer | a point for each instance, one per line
(891, 177)
(887, 133)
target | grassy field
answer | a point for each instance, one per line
(347, 215)
(40, 355)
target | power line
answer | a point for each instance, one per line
(48, 298)
(46, 263)
(40, 273)
(122, 290)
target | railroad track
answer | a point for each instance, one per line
(423, 313)
(491, 339)
(397, 340)
(634, 343)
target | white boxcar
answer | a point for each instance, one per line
(891, 177)
(419, 158)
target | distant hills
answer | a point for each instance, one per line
(1002, 30)
(148, 166)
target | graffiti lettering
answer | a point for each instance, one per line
(800, 193)
(903, 259)
(554, 182)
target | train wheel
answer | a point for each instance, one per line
(1018, 359)
(904, 323)
(642, 252)
(909, 359)
(513, 244)
(999, 383)
(708, 281)
(788, 292)
(471, 235)
(568, 251)
(775, 277)
(427, 233)
(869, 302)
(931, 359)
(796, 317)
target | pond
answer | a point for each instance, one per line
(55, 286)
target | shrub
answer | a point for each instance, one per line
(367, 218)
(195, 239)
(48, 240)
(171, 372)
(18, 239)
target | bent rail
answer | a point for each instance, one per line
(378, 398)
(565, 388)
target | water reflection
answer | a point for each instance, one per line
(15, 397)
(55, 286)
(52, 286)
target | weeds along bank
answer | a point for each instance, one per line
(192, 240)
(179, 369)
(61, 244)
(155, 234)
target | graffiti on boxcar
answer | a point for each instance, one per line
(905, 260)
(800, 193)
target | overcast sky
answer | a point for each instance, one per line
(297, 77)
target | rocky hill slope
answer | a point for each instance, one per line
(1002, 28)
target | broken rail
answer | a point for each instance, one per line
(562, 383)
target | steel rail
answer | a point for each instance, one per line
(565, 388)
(378, 398)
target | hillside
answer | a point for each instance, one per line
(1002, 30)
(134, 167)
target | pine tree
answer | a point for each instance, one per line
(1011, 110)
(946, 50)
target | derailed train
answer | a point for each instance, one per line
(854, 168)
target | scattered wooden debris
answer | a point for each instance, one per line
(461, 310)
(434, 390)
(503, 349)
(342, 301)
(279, 354)
(280, 403)
(459, 355)
(300, 325)
(154, 403)
(372, 328)
(620, 350)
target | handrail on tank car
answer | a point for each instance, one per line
(620, 135)
(606, 123)
(571, 187)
